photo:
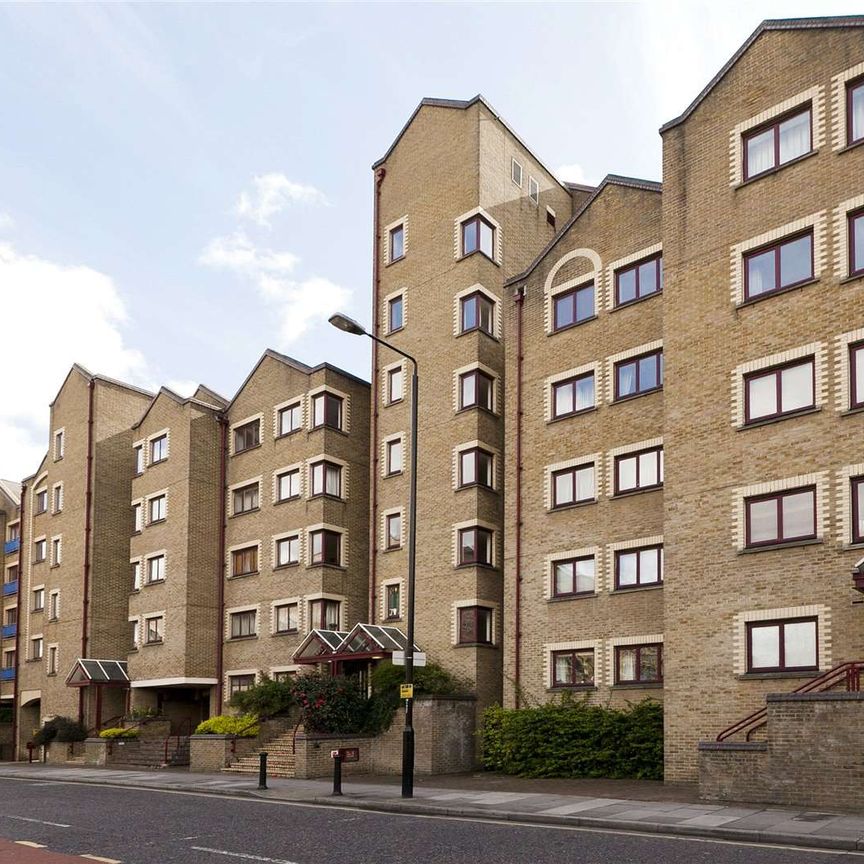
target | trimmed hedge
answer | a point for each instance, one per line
(573, 739)
(118, 732)
(227, 724)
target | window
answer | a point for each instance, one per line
(287, 618)
(246, 498)
(572, 307)
(284, 675)
(244, 624)
(326, 411)
(394, 457)
(857, 509)
(639, 280)
(40, 551)
(533, 190)
(516, 173)
(639, 375)
(476, 468)
(779, 142)
(155, 569)
(475, 390)
(573, 395)
(325, 614)
(240, 684)
(13, 532)
(475, 625)
(158, 508)
(288, 551)
(550, 217)
(396, 313)
(139, 458)
(856, 236)
(394, 385)
(856, 375)
(136, 575)
(10, 616)
(639, 471)
(159, 449)
(59, 444)
(58, 498)
(635, 568)
(781, 265)
(244, 561)
(782, 646)
(855, 111)
(478, 236)
(397, 243)
(247, 436)
(8, 659)
(134, 634)
(36, 646)
(41, 501)
(290, 419)
(638, 664)
(477, 312)
(392, 601)
(326, 479)
(779, 391)
(52, 660)
(11, 575)
(782, 517)
(475, 546)
(573, 576)
(288, 485)
(394, 530)
(572, 486)
(573, 668)
(38, 599)
(56, 551)
(326, 547)
(137, 518)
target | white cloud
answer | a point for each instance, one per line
(7, 223)
(572, 173)
(238, 253)
(271, 194)
(54, 315)
(184, 387)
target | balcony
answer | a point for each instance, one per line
(7, 674)
(11, 546)
(10, 588)
(8, 631)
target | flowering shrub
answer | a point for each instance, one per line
(331, 703)
(225, 724)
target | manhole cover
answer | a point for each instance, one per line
(813, 817)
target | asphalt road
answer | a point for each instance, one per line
(150, 827)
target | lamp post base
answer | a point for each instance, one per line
(408, 762)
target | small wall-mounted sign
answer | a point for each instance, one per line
(406, 691)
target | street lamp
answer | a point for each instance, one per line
(349, 325)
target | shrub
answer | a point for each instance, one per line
(331, 703)
(267, 698)
(244, 725)
(573, 739)
(142, 714)
(118, 732)
(61, 729)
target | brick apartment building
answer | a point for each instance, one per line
(641, 468)
(10, 527)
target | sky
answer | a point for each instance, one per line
(185, 185)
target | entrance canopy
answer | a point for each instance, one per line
(101, 673)
(318, 646)
(364, 642)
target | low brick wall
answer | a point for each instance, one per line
(812, 757)
(212, 753)
(57, 753)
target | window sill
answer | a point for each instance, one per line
(393, 474)
(393, 261)
(556, 330)
(477, 564)
(327, 566)
(571, 688)
(792, 544)
(476, 486)
(635, 588)
(288, 500)
(38, 611)
(480, 330)
(325, 426)
(631, 396)
(771, 676)
(395, 330)
(153, 644)
(638, 685)
(768, 421)
(157, 462)
(288, 566)
(53, 620)
(246, 450)
(391, 402)
(631, 492)
(563, 598)
(157, 521)
(776, 169)
(628, 303)
(393, 620)
(242, 638)
(574, 506)
(154, 582)
(852, 277)
(750, 301)
(33, 660)
(572, 414)
(50, 674)
(293, 632)
(244, 513)
(465, 408)
(53, 566)
(851, 146)
(288, 434)
(849, 411)
(327, 497)
(475, 645)
(233, 576)
(391, 549)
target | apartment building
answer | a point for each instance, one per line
(10, 532)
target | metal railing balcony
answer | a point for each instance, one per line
(11, 546)
(7, 674)
(7, 631)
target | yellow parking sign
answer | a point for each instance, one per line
(406, 691)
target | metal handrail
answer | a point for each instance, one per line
(108, 724)
(187, 723)
(239, 733)
(848, 673)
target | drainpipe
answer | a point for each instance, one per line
(16, 689)
(220, 574)
(88, 526)
(380, 174)
(519, 297)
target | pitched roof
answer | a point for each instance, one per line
(771, 24)
(211, 397)
(608, 180)
(180, 400)
(91, 376)
(12, 491)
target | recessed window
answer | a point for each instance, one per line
(475, 546)
(56, 551)
(475, 625)
(287, 618)
(573, 576)
(516, 172)
(325, 614)
(777, 143)
(573, 668)
(134, 634)
(572, 307)
(392, 601)
(476, 390)
(857, 484)
(41, 501)
(247, 436)
(573, 486)
(783, 646)
(639, 375)
(779, 391)
(9, 659)
(244, 624)
(136, 575)
(636, 568)
(393, 522)
(326, 547)
(159, 449)
(397, 242)
(155, 569)
(240, 684)
(855, 111)
(856, 375)
(639, 471)
(158, 508)
(11, 574)
(54, 606)
(477, 312)
(38, 599)
(478, 235)
(326, 411)
(290, 419)
(395, 385)
(40, 551)
(137, 518)
(288, 485)
(573, 395)
(396, 313)
(781, 265)
(58, 498)
(638, 664)
(393, 463)
(52, 660)
(10, 616)
(856, 242)
(326, 479)
(533, 190)
(59, 444)
(288, 551)
(550, 217)
(639, 280)
(476, 468)
(139, 458)
(154, 630)
(246, 499)
(36, 647)
(244, 561)
(13, 532)
(782, 517)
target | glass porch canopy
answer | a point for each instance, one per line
(364, 642)
(318, 646)
(101, 673)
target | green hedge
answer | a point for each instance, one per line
(118, 732)
(573, 739)
(227, 724)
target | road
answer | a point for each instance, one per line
(152, 827)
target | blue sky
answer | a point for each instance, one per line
(182, 186)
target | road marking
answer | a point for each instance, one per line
(31, 844)
(245, 855)
(37, 821)
(104, 860)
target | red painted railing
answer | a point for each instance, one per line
(185, 725)
(846, 674)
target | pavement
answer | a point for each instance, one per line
(648, 807)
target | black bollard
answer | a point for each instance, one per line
(262, 771)
(337, 774)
